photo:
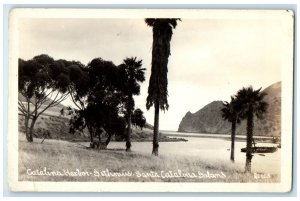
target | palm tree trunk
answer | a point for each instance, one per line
(250, 125)
(233, 129)
(128, 141)
(156, 129)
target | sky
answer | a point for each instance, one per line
(211, 58)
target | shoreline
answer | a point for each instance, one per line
(257, 138)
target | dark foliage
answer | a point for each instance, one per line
(97, 92)
(132, 74)
(43, 83)
(231, 112)
(252, 104)
(138, 119)
(158, 84)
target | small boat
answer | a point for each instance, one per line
(261, 149)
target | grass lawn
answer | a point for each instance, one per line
(67, 161)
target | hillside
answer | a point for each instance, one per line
(58, 126)
(53, 111)
(209, 119)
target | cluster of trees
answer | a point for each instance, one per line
(246, 104)
(101, 91)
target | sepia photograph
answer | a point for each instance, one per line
(149, 100)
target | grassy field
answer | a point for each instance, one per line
(67, 161)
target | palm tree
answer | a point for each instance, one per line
(231, 112)
(132, 73)
(252, 104)
(158, 84)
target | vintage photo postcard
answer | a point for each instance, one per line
(146, 100)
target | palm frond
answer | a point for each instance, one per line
(251, 99)
(150, 21)
(158, 84)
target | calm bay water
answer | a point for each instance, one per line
(180, 134)
(213, 149)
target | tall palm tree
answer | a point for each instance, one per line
(133, 74)
(231, 112)
(253, 104)
(158, 84)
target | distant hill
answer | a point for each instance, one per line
(206, 120)
(209, 118)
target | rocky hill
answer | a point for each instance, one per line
(206, 120)
(209, 119)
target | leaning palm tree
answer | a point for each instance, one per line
(158, 84)
(132, 74)
(253, 104)
(231, 112)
